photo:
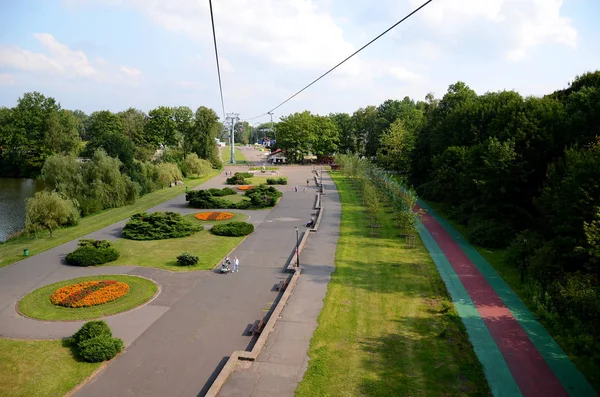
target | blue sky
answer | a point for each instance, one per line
(114, 54)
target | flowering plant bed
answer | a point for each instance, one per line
(245, 187)
(89, 293)
(213, 216)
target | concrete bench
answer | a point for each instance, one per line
(257, 327)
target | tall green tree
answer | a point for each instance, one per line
(206, 129)
(347, 140)
(160, 127)
(295, 134)
(134, 123)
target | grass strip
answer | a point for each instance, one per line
(388, 327)
(40, 368)
(238, 155)
(37, 304)
(12, 250)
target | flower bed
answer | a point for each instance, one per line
(89, 293)
(214, 216)
(245, 187)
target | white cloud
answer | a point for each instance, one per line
(193, 86)
(62, 61)
(404, 75)
(225, 65)
(520, 25)
(7, 79)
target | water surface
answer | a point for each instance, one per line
(13, 193)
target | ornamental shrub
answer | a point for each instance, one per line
(263, 196)
(100, 348)
(158, 226)
(237, 179)
(277, 181)
(90, 330)
(187, 259)
(92, 253)
(227, 191)
(233, 229)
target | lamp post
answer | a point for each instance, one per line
(297, 252)
(272, 130)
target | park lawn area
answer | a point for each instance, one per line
(235, 198)
(497, 258)
(37, 304)
(12, 250)
(162, 254)
(238, 155)
(260, 180)
(39, 368)
(237, 217)
(388, 327)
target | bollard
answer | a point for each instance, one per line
(25, 252)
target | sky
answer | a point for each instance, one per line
(115, 54)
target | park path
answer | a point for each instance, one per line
(519, 357)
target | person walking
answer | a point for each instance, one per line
(236, 263)
(307, 182)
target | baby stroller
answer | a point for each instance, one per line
(225, 266)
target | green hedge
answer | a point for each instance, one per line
(158, 226)
(187, 259)
(233, 229)
(92, 253)
(277, 181)
(263, 196)
(94, 342)
(227, 191)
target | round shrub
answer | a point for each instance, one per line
(90, 255)
(90, 330)
(158, 226)
(100, 348)
(233, 229)
(187, 259)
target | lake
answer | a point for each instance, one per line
(13, 193)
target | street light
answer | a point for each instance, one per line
(272, 130)
(297, 252)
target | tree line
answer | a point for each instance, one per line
(519, 172)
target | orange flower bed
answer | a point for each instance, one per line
(245, 187)
(213, 216)
(89, 293)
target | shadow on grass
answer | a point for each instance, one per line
(428, 356)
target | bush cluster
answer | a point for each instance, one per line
(94, 342)
(226, 191)
(187, 259)
(263, 196)
(233, 229)
(277, 181)
(209, 199)
(92, 253)
(158, 226)
(239, 178)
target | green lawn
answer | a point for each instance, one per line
(12, 250)
(37, 303)
(235, 198)
(163, 254)
(238, 217)
(388, 327)
(239, 156)
(40, 368)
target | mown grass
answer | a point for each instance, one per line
(388, 327)
(40, 368)
(238, 155)
(237, 217)
(162, 254)
(585, 361)
(12, 250)
(37, 304)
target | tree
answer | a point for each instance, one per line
(242, 130)
(347, 141)
(295, 134)
(161, 127)
(101, 124)
(184, 126)
(167, 173)
(63, 174)
(325, 137)
(364, 123)
(397, 145)
(206, 128)
(49, 210)
(194, 165)
(134, 123)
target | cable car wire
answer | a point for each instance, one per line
(217, 56)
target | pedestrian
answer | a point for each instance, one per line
(307, 182)
(296, 188)
(236, 263)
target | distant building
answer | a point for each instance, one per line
(277, 157)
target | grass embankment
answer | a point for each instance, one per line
(238, 155)
(37, 303)
(388, 327)
(12, 250)
(498, 259)
(40, 368)
(162, 254)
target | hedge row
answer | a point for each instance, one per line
(92, 253)
(239, 178)
(261, 196)
(233, 229)
(158, 226)
(277, 181)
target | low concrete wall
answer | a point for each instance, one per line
(237, 355)
(318, 222)
(293, 260)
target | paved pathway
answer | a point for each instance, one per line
(518, 355)
(283, 360)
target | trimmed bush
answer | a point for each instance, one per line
(187, 259)
(263, 196)
(277, 181)
(90, 330)
(92, 253)
(100, 348)
(233, 229)
(158, 226)
(244, 174)
(236, 179)
(226, 191)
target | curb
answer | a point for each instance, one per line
(237, 355)
(318, 222)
